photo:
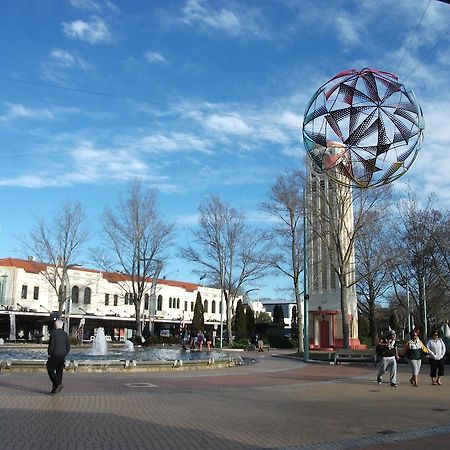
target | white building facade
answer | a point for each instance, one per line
(28, 302)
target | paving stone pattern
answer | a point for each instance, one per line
(274, 403)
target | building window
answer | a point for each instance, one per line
(185, 306)
(192, 306)
(87, 296)
(126, 298)
(106, 299)
(116, 299)
(146, 304)
(170, 302)
(178, 303)
(36, 293)
(205, 307)
(213, 307)
(75, 294)
(159, 303)
(24, 291)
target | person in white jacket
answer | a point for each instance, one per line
(437, 351)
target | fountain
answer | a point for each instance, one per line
(100, 358)
(129, 346)
(99, 343)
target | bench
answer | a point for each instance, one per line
(348, 357)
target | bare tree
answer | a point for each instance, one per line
(286, 205)
(227, 251)
(135, 241)
(420, 265)
(338, 215)
(59, 245)
(373, 255)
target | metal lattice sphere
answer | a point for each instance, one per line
(363, 128)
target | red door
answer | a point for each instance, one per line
(324, 334)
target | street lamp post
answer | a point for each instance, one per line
(221, 305)
(3, 289)
(67, 293)
(68, 297)
(152, 297)
(305, 283)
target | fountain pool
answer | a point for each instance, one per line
(113, 353)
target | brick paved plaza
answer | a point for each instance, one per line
(275, 403)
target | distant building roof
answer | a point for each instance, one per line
(31, 266)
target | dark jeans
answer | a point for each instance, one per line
(55, 368)
(437, 366)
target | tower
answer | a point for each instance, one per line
(330, 259)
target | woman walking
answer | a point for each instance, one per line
(413, 349)
(436, 348)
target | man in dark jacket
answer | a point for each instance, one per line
(58, 348)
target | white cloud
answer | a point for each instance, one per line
(67, 60)
(196, 13)
(155, 57)
(94, 6)
(95, 31)
(226, 124)
(19, 111)
(60, 65)
(88, 5)
(173, 143)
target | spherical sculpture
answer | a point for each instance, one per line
(363, 128)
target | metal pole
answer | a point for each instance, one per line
(67, 294)
(305, 283)
(425, 316)
(408, 308)
(3, 289)
(152, 297)
(221, 306)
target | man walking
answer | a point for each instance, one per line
(390, 358)
(58, 348)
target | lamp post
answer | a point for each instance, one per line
(222, 276)
(152, 297)
(305, 283)
(3, 289)
(67, 292)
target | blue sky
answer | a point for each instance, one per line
(195, 98)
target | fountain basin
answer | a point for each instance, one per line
(142, 359)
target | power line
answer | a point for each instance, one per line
(432, 48)
(428, 54)
(130, 99)
(144, 144)
(412, 36)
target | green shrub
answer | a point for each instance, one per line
(280, 341)
(73, 340)
(240, 343)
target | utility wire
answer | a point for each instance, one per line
(130, 99)
(429, 51)
(412, 36)
(428, 54)
(190, 140)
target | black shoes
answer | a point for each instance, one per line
(394, 384)
(379, 380)
(56, 389)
